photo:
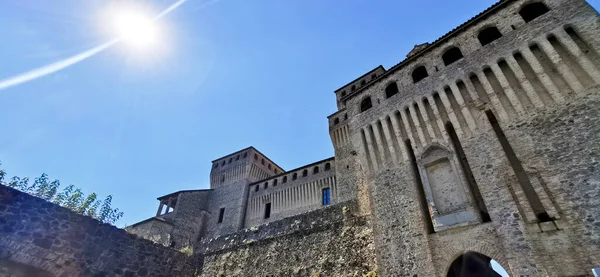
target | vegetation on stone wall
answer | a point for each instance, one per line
(70, 197)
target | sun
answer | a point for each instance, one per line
(135, 28)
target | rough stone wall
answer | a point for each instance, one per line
(154, 229)
(328, 242)
(42, 235)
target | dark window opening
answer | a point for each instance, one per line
(237, 157)
(365, 104)
(267, 210)
(269, 166)
(230, 159)
(363, 82)
(419, 74)
(326, 196)
(533, 11)
(452, 55)
(343, 93)
(275, 182)
(464, 164)
(223, 163)
(353, 88)
(216, 165)
(245, 155)
(345, 116)
(255, 157)
(373, 76)
(315, 170)
(422, 199)
(262, 161)
(304, 173)
(488, 35)
(284, 179)
(256, 188)
(221, 214)
(515, 163)
(391, 89)
(327, 166)
(295, 176)
(266, 185)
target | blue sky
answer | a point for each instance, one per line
(229, 75)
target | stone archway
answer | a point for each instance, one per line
(474, 264)
(14, 269)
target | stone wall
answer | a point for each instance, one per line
(39, 236)
(329, 242)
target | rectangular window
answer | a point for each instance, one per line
(326, 196)
(268, 210)
(221, 214)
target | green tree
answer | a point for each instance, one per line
(70, 197)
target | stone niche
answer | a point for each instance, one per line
(445, 188)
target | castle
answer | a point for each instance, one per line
(481, 146)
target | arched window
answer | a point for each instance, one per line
(266, 185)
(353, 88)
(336, 121)
(488, 35)
(343, 93)
(363, 82)
(451, 55)
(262, 161)
(276, 171)
(304, 173)
(275, 182)
(419, 74)
(391, 89)
(533, 11)
(327, 166)
(315, 170)
(365, 104)
(295, 176)
(284, 179)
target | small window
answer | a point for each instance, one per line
(363, 82)
(221, 214)
(275, 182)
(343, 93)
(419, 74)
(237, 158)
(284, 179)
(365, 104)
(327, 166)
(256, 188)
(326, 196)
(230, 159)
(223, 163)
(345, 116)
(267, 210)
(452, 55)
(336, 121)
(353, 88)
(391, 89)
(266, 185)
(373, 76)
(269, 166)
(245, 155)
(216, 165)
(262, 161)
(315, 170)
(533, 11)
(276, 171)
(255, 157)
(294, 176)
(488, 35)
(304, 173)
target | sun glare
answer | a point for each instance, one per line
(135, 28)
